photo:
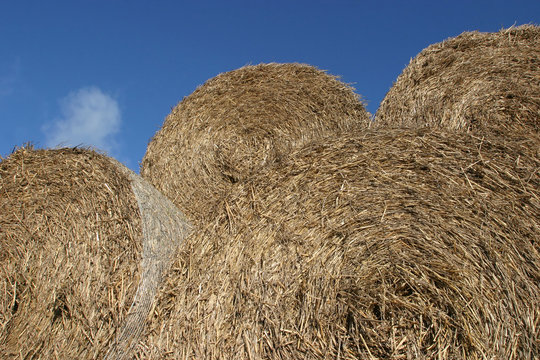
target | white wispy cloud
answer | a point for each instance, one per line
(89, 117)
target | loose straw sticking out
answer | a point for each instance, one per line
(240, 122)
(79, 269)
(485, 82)
(302, 264)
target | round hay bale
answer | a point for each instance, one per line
(486, 82)
(84, 243)
(241, 121)
(393, 245)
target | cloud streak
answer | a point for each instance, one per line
(89, 117)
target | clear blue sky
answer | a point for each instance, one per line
(107, 72)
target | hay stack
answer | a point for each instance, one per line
(393, 245)
(241, 121)
(485, 82)
(84, 243)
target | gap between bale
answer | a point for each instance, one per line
(393, 244)
(84, 243)
(240, 122)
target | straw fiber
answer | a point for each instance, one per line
(84, 243)
(483, 82)
(398, 244)
(238, 123)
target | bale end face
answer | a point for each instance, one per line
(240, 122)
(487, 83)
(84, 243)
(392, 244)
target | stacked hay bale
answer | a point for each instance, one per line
(394, 244)
(238, 123)
(84, 243)
(485, 82)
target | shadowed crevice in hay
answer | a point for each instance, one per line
(79, 268)
(238, 123)
(393, 244)
(484, 82)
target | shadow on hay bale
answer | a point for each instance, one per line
(84, 243)
(241, 121)
(485, 82)
(397, 244)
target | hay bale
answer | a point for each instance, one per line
(397, 244)
(84, 243)
(484, 82)
(238, 123)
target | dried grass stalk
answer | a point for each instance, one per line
(238, 123)
(395, 244)
(82, 251)
(485, 82)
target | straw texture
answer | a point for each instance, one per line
(398, 244)
(238, 123)
(80, 258)
(483, 82)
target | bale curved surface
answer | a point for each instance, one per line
(80, 259)
(487, 82)
(241, 121)
(396, 244)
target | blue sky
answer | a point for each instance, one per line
(107, 72)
